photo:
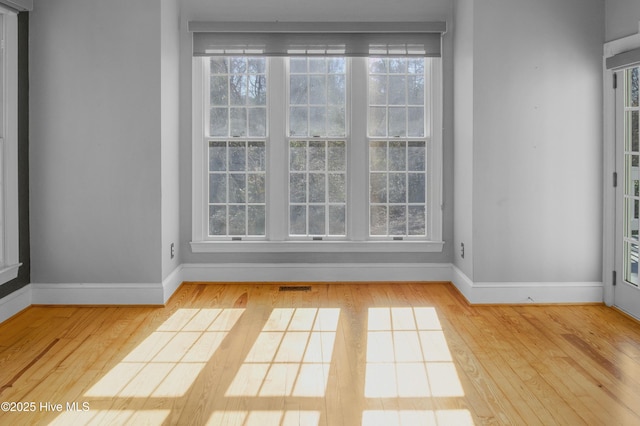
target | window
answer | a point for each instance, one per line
(315, 149)
(8, 146)
(236, 136)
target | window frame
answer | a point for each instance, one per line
(277, 238)
(9, 218)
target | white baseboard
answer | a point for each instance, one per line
(315, 272)
(478, 293)
(171, 283)
(98, 294)
(159, 293)
(15, 302)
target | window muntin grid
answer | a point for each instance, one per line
(397, 147)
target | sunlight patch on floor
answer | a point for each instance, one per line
(167, 362)
(291, 355)
(264, 418)
(112, 417)
(416, 417)
(408, 355)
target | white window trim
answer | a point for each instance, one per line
(9, 263)
(359, 240)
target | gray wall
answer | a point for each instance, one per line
(170, 111)
(536, 139)
(464, 118)
(23, 277)
(106, 183)
(310, 10)
(622, 17)
(95, 141)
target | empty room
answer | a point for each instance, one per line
(297, 212)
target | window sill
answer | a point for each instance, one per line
(316, 246)
(9, 273)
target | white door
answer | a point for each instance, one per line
(627, 285)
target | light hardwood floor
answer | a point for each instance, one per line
(338, 354)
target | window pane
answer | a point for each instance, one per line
(337, 220)
(298, 187)
(396, 97)
(378, 188)
(378, 90)
(298, 156)
(237, 156)
(257, 122)
(256, 188)
(217, 156)
(417, 160)
(238, 122)
(256, 65)
(336, 121)
(415, 122)
(316, 220)
(298, 220)
(237, 220)
(317, 121)
(336, 156)
(238, 178)
(314, 182)
(219, 90)
(378, 156)
(316, 188)
(337, 188)
(632, 75)
(257, 90)
(298, 122)
(397, 188)
(256, 156)
(219, 65)
(219, 122)
(378, 220)
(298, 65)
(397, 156)
(238, 89)
(217, 188)
(298, 90)
(235, 84)
(317, 97)
(336, 89)
(378, 65)
(416, 188)
(237, 188)
(397, 65)
(217, 220)
(417, 220)
(396, 194)
(318, 65)
(415, 90)
(317, 156)
(397, 90)
(632, 139)
(317, 90)
(238, 65)
(256, 220)
(397, 122)
(377, 121)
(397, 220)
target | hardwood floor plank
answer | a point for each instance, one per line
(337, 354)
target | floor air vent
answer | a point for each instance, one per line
(295, 288)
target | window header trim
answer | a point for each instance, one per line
(352, 39)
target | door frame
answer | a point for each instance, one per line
(609, 218)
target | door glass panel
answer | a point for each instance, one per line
(631, 195)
